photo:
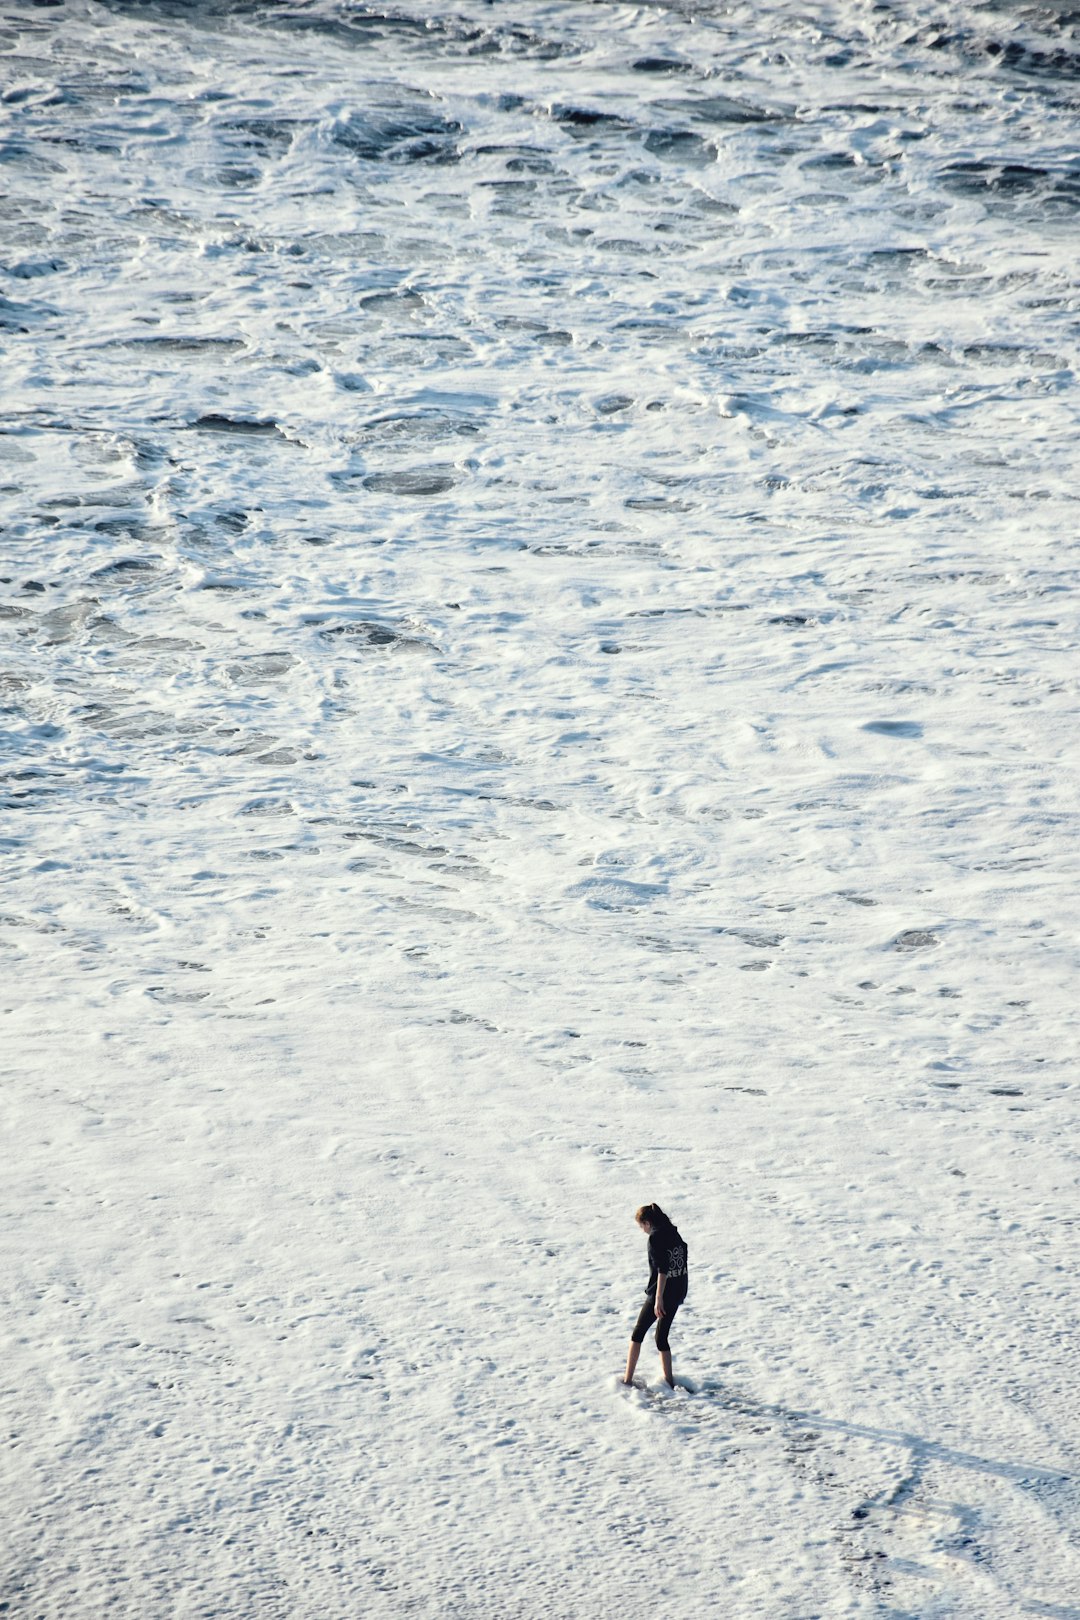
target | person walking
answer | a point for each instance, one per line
(666, 1290)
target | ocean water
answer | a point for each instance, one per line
(538, 623)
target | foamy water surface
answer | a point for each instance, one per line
(538, 597)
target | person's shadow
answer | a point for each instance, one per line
(807, 1427)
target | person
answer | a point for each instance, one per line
(668, 1282)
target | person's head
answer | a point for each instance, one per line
(650, 1217)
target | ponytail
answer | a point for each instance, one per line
(654, 1215)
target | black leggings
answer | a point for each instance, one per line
(647, 1316)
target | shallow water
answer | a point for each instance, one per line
(538, 597)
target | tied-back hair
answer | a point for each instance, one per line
(654, 1215)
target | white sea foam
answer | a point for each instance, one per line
(539, 674)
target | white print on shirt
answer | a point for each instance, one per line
(677, 1260)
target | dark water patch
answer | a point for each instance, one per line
(626, 246)
(416, 482)
(167, 644)
(824, 343)
(61, 625)
(895, 728)
(831, 160)
(126, 527)
(268, 806)
(519, 801)
(1019, 182)
(12, 687)
(650, 329)
(227, 584)
(107, 87)
(231, 521)
(229, 176)
(1011, 354)
(235, 745)
(30, 160)
(83, 89)
(421, 428)
(82, 143)
(21, 317)
(34, 925)
(615, 894)
(519, 159)
(27, 797)
(246, 427)
(612, 404)
(364, 634)
(756, 940)
(720, 110)
(510, 39)
(680, 146)
(661, 66)
(125, 569)
(266, 135)
(259, 668)
(359, 29)
(588, 120)
(538, 331)
(33, 269)
(702, 204)
(401, 348)
(902, 258)
(175, 998)
(831, 342)
(199, 347)
(1012, 863)
(511, 196)
(1041, 55)
(517, 198)
(346, 244)
(430, 911)
(399, 838)
(657, 503)
(367, 27)
(953, 576)
(282, 756)
(123, 721)
(553, 337)
(701, 612)
(401, 301)
(1017, 57)
(416, 134)
(914, 939)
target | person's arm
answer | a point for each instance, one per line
(661, 1279)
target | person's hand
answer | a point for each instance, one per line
(659, 1307)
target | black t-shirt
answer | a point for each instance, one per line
(667, 1254)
